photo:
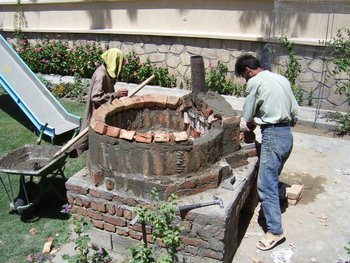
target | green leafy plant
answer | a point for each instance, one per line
(310, 98)
(19, 22)
(162, 77)
(347, 249)
(216, 80)
(161, 218)
(343, 124)
(134, 71)
(338, 53)
(54, 56)
(293, 70)
(82, 243)
(72, 90)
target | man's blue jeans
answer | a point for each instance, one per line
(276, 146)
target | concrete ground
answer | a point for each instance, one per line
(317, 228)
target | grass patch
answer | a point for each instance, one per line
(16, 241)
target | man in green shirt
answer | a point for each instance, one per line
(271, 104)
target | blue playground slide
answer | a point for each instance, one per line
(33, 98)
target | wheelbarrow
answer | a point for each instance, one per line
(34, 164)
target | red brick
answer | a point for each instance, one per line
(171, 188)
(94, 215)
(128, 103)
(122, 232)
(210, 178)
(252, 152)
(70, 198)
(128, 214)
(128, 135)
(167, 120)
(100, 128)
(160, 100)
(135, 235)
(149, 100)
(295, 191)
(180, 136)
(110, 208)
(207, 111)
(98, 178)
(80, 211)
(76, 188)
(149, 239)
(109, 227)
(117, 221)
(109, 184)
(109, 108)
(100, 114)
(97, 224)
(130, 201)
(195, 242)
(228, 121)
(171, 137)
(160, 242)
(119, 106)
(138, 228)
(195, 134)
(161, 137)
(188, 185)
(172, 102)
(99, 193)
(119, 211)
(182, 108)
(113, 131)
(143, 137)
(98, 207)
(161, 119)
(138, 102)
(158, 164)
(187, 102)
(82, 201)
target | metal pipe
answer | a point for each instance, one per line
(197, 75)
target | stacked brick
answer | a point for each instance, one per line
(101, 115)
(99, 121)
(106, 210)
(111, 212)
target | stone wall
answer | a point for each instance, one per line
(175, 53)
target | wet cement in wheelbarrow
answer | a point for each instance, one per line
(28, 158)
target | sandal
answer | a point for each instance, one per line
(269, 241)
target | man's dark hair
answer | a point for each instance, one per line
(246, 60)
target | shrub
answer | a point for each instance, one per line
(134, 71)
(338, 53)
(293, 70)
(161, 218)
(53, 56)
(216, 80)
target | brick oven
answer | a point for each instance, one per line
(177, 145)
(186, 145)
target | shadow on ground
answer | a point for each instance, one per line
(51, 203)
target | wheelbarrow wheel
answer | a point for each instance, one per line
(24, 206)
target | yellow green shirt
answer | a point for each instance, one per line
(269, 99)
